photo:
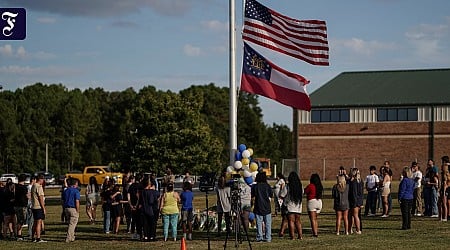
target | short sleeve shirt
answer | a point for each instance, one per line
(372, 181)
(36, 191)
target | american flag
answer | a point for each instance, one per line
(302, 39)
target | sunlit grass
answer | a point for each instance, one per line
(378, 233)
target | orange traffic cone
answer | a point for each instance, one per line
(183, 244)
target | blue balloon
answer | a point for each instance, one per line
(242, 147)
(251, 216)
(238, 156)
(248, 180)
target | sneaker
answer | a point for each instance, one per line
(41, 241)
(384, 216)
(371, 215)
(419, 215)
(337, 233)
(434, 216)
(358, 232)
(20, 238)
(33, 240)
(189, 236)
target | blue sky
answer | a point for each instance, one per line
(173, 44)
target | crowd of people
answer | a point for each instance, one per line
(141, 200)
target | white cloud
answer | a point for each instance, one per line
(361, 47)
(6, 50)
(429, 41)
(21, 53)
(215, 25)
(38, 72)
(191, 50)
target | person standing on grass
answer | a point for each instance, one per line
(187, 214)
(106, 206)
(293, 202)
(38, 208)
(385, 192)
(314, 192)
(445, 182)
(30, 219)
(188, 178)
(278, 187)
(133, 199)
(20, 204)
(417, 177)
(262, 192)
(429, 191)
(341, 205)
(405, 197)
(223, 204)
(372, 181)
(9, 215)
(355, 199)
(116, 207)
(71, 198)
(149, 207)
(92, 199)
(169, 211)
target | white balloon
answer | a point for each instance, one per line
(254, 174)
(237, 164)
(230, 169)
(245, 153)
(247, 173)
(246, 167)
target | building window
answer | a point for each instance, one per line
(396, 114)
(330, 115)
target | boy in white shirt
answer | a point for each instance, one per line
(371, 184)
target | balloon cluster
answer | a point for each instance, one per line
(244, 165)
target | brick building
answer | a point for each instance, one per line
(364, 118)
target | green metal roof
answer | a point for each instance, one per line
(385, 88)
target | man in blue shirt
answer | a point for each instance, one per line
(71, 197)
(187, 214)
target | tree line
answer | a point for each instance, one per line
(147, 130)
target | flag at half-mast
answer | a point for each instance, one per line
(302, 39)
(262, 77)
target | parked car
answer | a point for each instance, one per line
(48, 177)
(5, 177)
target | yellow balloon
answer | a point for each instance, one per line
(250, 150)
(245, 161)
(253, 167)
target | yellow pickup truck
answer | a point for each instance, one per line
(99, 172)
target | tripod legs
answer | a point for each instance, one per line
(239, 226)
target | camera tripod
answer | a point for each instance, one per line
(238, 222)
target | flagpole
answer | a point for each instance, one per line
(233, 89)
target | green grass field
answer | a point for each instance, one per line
(378, 233)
